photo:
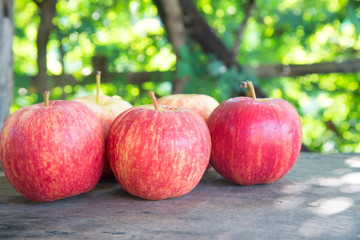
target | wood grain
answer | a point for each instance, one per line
(318, 199)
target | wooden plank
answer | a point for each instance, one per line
(318, 199)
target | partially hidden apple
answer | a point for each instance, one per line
(254, 141)
(106, 109)
(200, 103)
(52, 150)
(158, 152)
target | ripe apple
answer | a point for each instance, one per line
(106, 109)
(200, 103)
(52, 150)
(254, 141)
(158, 152)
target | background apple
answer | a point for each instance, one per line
(52, 150)
(158, 152)
(254, 141)
(106, 109)
(200, 103)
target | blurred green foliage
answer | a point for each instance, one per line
(130, 36)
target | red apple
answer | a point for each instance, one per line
(52, 150)
(106, 109)
(200, 103)
(158, 152)
(254, 141)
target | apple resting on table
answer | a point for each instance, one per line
(200, 103)
(158, 152)
(52, 150)
(106, 109)
(254, 141)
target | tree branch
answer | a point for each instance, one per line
(137, 78)
(37, 3)
(201, 32)
(279, 70)
(332, 127)
(239, 33)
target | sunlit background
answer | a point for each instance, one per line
(128, 37)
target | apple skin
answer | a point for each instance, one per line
(200, 103)
(106, 110)
(254, 141)
(54, 152)
(158, 154)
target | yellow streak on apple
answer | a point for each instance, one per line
(181, 158)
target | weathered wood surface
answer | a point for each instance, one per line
(318, 199)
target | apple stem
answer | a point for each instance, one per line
(249, 84)
(98, 79)
(46, 95)
(153, 99)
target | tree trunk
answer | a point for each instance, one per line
(171, 15)
(47, 12)
(6, 69)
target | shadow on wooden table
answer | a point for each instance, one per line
(318, 199)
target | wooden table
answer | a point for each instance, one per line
(318, 199)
